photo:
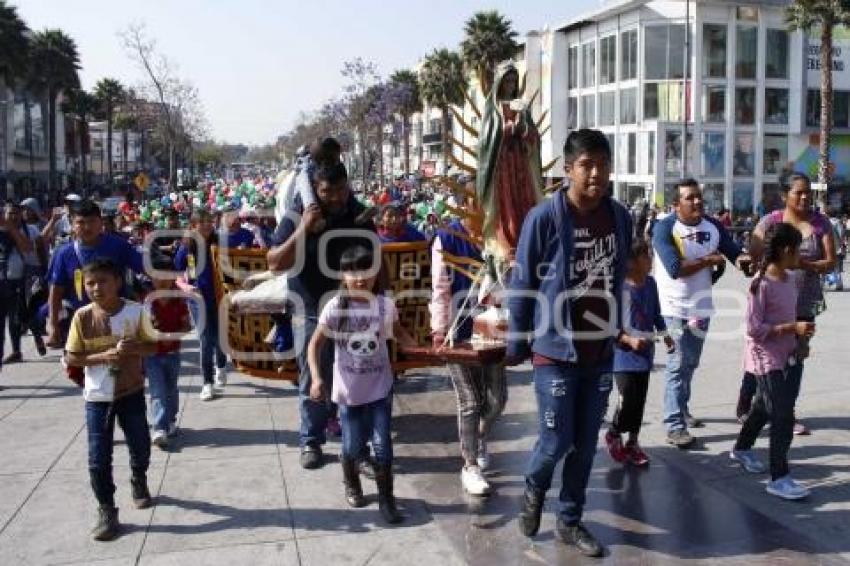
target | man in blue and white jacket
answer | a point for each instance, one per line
(690, 248)
(565, 303)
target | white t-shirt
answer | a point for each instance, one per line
(688, 297)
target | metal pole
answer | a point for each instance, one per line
(685, 88)
(4, 133)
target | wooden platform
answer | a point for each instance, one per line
(408, 267)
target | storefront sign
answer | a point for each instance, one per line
(840, 59)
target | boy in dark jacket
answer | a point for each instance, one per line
(564, 304)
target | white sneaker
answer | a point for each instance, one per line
(160, 438)
(786, 488)
(473, 481)
(483, 457)
(172, 429)
(748, 461)
(220, 378)
(207, 392)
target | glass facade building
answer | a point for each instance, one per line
(645, 73)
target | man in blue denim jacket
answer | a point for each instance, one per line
(565, 304)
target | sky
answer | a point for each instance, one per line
(258, 63)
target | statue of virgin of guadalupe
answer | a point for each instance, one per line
(509, 182)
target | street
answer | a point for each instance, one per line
(231, 491)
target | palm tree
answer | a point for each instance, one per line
(823, 15)
(53, 66)
(489, 41)
(441, 83)
(125, 121)
(409, 101)
(109, 94)
(14, 44)
(83, 105)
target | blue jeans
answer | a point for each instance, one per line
(571, 402)
(361, 423)
(210, 348)
(681, 366)
(100, 425)
(314, 415)
(163, 372)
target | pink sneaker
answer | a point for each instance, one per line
(615, 447)
(332, 428)
(636, 455)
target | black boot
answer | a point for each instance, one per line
(106, 527)
(386, 499)
(367, 467)
(530, 511)
(351, 479)
(141, 494)
(580, 537)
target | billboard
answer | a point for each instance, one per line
(840, 58)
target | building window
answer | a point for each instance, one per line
(742, 198)
(655, 53)
(775, 153)
(607, 108)
(745, 52)
(435, 126)
(588, 64)
(743, 162)
(651, 154)
(628, 55)
(608, 60)
(747, 14)
(671, 192)
(588, 110)
(435, 151)
(714, 51)
(572, 67)
(712, 194)
(663, 101)
(745, 106)
(673, 153)
(776, 105)
(771, 197)
(612, 143)
(572, 112)
(840, 108)
(628, 105)
(664, 52)
(713, 154)
(776, 54)
(631, 152)
(813, 108)
(714, 104)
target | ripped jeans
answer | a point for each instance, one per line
(571, 402)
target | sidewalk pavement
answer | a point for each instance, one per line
(231, 491)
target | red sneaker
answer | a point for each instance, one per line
(615, 447)
(636, 455)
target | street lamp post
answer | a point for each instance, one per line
(4, 133)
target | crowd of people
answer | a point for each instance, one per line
(593, 287)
